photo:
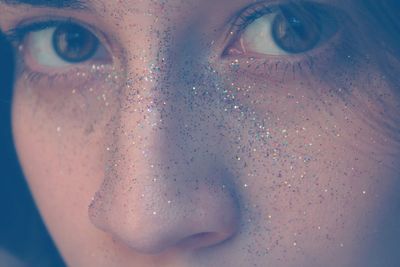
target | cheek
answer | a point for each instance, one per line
(60, 145)
(302, 159)
(313, 161)
(58, 129)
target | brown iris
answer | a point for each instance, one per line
(74, 43)
(296, 30)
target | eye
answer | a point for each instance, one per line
(62, 44)
(73, 43)
(284, 29)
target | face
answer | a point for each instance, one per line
(206, 133)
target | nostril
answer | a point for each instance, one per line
(201, 240)
(209, 219)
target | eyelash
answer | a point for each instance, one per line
(244, 18)
(17, 35)
(249, 14)
(304, 61)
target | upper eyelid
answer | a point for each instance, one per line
(253, 11)
(339, 15)
(66, 4)
(236, 28)
(44, 22)
(16, 34)
(19, 32)
(260, 8)
(257, 8)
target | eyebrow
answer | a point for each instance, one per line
(62, 4)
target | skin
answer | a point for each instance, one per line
(147, 162)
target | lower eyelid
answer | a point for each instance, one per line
(73, 77)
(67, 69)
(74, 74)
(284, 68)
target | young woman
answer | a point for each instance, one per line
(210, 133)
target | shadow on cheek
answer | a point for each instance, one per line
(32, 244)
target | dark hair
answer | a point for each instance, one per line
(20, 223)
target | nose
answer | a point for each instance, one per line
(204, 219)
(163, 187)
(200, 221)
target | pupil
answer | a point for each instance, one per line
(296, 30)
(74, 43)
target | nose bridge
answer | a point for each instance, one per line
(156, 117)
(161, 163)
(146, 116)
(159, 172)
(146, 28)
(157, 141)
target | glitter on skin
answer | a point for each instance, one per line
(172, 126)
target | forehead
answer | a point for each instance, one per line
(170, 9)
(161, 7)
(85, 3)
(81, 4)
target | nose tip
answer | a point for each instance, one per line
(207, 218)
